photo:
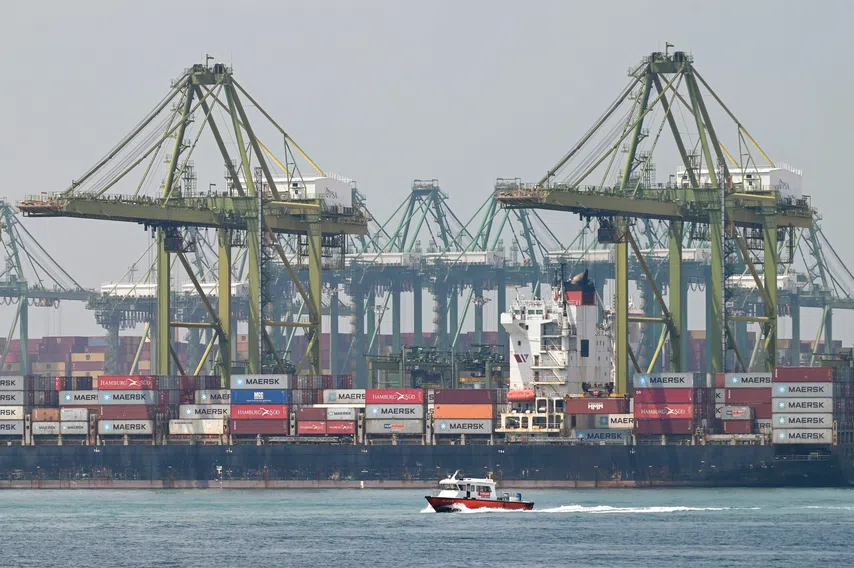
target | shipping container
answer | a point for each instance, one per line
(803, 390)
(11, 412)
(394, 396)
(11, 428)
(343, 413)
(462, 426)
(79, 398)
(204, 411)
(13, 398)
(738, 426)
(311, 414)
(388, 427)
(587, 405)
(311, 428)
(605, 436)
(736, 413)
(720, 396)
(127, 397)
(799, 405)
(763, 411)
(664, 396)
(273, 382)
(747, 397)
(803, 436)
(619, 421)
(74, 414)
(664, 411)
(196, 427)
(126, 427)
(45, 415)
(788, 421)
(763, 426)
(667, 381)
(45, 428)
(344, 396)
(340, 427)
(260, 412)
(112, 382)
(396, 411)
(803, 374)
(251, 396)
(74, 428)
(218, 396)
(656, 427)
(127, 412)
(464, 396)
(263, 427)
(457, 411)
(748, 380)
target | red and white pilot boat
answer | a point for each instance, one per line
(456, 493)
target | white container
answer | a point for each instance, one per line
(394, 411)
(126, 427)
(11, 383)
(196, 427)
(341, 413)
(45, 428)
(344, 396)
(74, 414)
(11, 412)
(803, 390)
(128, 397)
(261, 382)
(12, 398)
(79, 398)
(812, 421)
(74, 428)
(799, 405)
(803, 436)
(748, 380)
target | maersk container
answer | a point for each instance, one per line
(12, 428)
(12, 384)
(803, 390)
(619, 421)
(788, 421)
(11, 412)
(128, 397)
(74, 414)
(259, 397)
(395, 411)
(748, 380)
(736, 413)
(273, 382)
(12, 398)
(45, 428)
(764, 426)
(664, 396)
(799, 405)
(126, 427)
(666, 381)
(803, 374)
(394, 396)
(803, 436)
(462, 426)
(219, 396)
(196, 427)
(204, 411)
(607, 436)
(74, 428)
(344, 396)
(389, 427)
(79, 398)
(342, 413)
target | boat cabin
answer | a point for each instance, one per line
(456, 487)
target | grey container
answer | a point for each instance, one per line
(748, 380)
(79, 398)
(261, 382)
(666, 381)
(12, 428)
(128, 397)
(812, 421)
(122, 427)
(344, 396)
(45, 428)
(389, 427)
(736, 413)
(805, 436)
(462, 426)
(204, 411)
(74, 414)
(803, 390)
(810, 405)
(12, 384)
(11, 398)
(74, 428)
(394, 411)
(603, 436)
(220, 396)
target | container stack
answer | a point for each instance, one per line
(746, 406)
(803, 405)
(260, 405)
(394, 411)
(342, 409)
(463, 411)
(669, 403)
(12, 406)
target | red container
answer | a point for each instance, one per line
(736, 397)
(311, 428)
(763, 411)
(189, 383)
(310, 414)
(720, 380)
(660, 396)
(803, 375)
(664, 411)
(394, 396)
(340, 427)
(142, 382)
(253, 427)
(87, 366)
(259, 411)
(464, 396)
(655, 427)
(738, 426)
(129, 412)
(596, 405)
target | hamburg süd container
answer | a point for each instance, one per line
(253, 396)
(125, 427)
(748, 380)
(811, 405)
(664, 411)
(259, 412)
(803, 436)
(394, 396)
(462, 426)
(311, 428)
(11, 428)
(803, 390)
(388, 427)
(788, 421)
(263, 427)
(142, 382)
(803, 374)
(470, 411)
(204, 411)
(344, 396)
(664, 396)
(395, 411)
(340, 427)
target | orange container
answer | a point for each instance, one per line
(45, 415)
(473, 411)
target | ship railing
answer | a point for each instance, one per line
(817, 457)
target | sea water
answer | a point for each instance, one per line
(394, 528)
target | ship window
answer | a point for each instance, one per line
(585, 347)
(519, 343)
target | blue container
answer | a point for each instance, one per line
(249, 396)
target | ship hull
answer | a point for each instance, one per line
(450, 505)
(521, 466)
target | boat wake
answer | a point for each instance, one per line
(596, 509)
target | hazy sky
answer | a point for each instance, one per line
(385, 92)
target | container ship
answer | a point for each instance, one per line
(559, 424)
